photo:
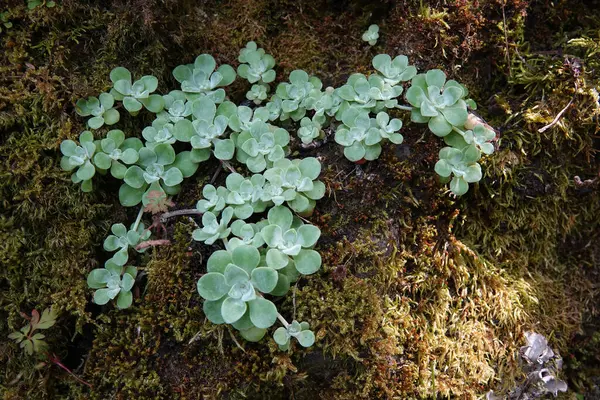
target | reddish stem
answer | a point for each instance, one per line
(56, 361)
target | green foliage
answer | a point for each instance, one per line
(101, 108)
(233, 289)
(31, 4)
(256, 67)
(394, 71)
(205, 132)
(371, 35)
(4, 22)
(213, 228)
(361, 136)
(176, 107)
(122, 239)
(462, 165)
(115, 150)
(257, 93)
(289, 240)
(200, 78)
(113, 281)
(157, 169)
(308, 130)
(298, 95)
(372, 93)
(136, 94)
(30, 341)
(437, 102)
(261, 145)
(79, 157)
(479, 136)
(294, 181)
(245, 195)
(261, 258)
(298, 330)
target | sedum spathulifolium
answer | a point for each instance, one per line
(261, 246)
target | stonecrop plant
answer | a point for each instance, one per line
(256, 222)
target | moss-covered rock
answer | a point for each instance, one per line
(420, 295)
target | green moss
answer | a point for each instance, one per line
(420, 295)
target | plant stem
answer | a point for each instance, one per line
(455, 129)
(56, 361)
(226, 243)
(405, 108)
(138, 219)
(282, 320)
(170, 214)
(152, 243)
(228, 166)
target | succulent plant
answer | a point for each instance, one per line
(462, 164)
(161, 131)
(273, 108)
(246, 234)
(200, 78)
(261, 145)
(114, 150)
(384, 93)
(176, 107)
(355, 134)
(214, 199)
(309, 130)
(371, 35)
(387, 129)
(297, 184)
(137, 94)
(245, 194)
(159, 168)
(100, 108)
(263, 257)
(113, 281)
(257, 93)
(155, 162)
(122, 239)
(287, 238)
(242, 119)
(232, 286)
(480, 136)
(213, 229)
(328, 104)
(256, 65)
(357, 91)
(299, 330)
(437, 102)
(207, 129)
(80, 157)
(297, 95)
(394, 71)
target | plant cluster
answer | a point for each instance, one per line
(371, 35)
(261, 257)
(31, 4)
(27, 337)
(4, 21)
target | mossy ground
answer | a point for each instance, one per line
(420, 295)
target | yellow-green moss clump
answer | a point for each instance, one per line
(420, 295)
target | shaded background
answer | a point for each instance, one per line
(420, 295)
